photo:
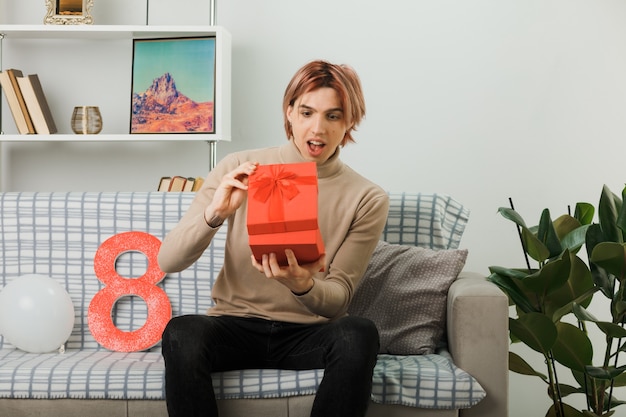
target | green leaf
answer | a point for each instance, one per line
(567, 409)
(614, 403)
(579, 376)
(611, 329)
(583, 299)
(600, 276)
(534, 247)
(584, 213)
(551, 277)
(607, 215)
(535, 330)
(612, 257)
(512, 215)
(579, 284)
(582, 314)
(566, 390)
(575, 239)
(510, 272)
(515, 294)
(572, 348)
(546, 233)
(621, 216)
(620, 380)
(565, 224)
(605, 374)
(593, 237)
(520, 366)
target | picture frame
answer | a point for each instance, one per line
(173, 85)
(68, 12)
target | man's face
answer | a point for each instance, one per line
(318, 123)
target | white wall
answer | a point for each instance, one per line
(480, 99)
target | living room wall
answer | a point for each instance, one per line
(481, 99)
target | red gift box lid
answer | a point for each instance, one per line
(282, 198)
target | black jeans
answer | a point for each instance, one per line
(196, 345)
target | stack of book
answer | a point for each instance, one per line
(179, 183)
(27, 102)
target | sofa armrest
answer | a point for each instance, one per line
(477, 329)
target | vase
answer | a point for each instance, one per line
(86, 120)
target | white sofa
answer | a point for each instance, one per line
(57, 235)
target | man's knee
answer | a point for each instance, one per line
(360, 336)
(182, 337)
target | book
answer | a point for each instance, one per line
(189, 184)
(17, 105)
(178, 183)
(13, 75)
(164, 184)
(198, 184)
(37, 104)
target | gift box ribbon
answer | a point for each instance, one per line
(279, 186)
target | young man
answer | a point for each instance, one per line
(283, 317)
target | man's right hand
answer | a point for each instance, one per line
(230, 194)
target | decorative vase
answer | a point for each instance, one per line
(86, 120)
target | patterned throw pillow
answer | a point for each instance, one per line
(404, 291)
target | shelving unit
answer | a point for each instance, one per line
(88, 33)
(92, 65)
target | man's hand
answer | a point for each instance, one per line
(230, 194)
(298, 278)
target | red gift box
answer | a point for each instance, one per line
(282, 211)
(307, 245)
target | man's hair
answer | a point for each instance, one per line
(341, 78)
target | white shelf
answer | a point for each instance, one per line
(96, 33)
(104, 31)
(109, 138)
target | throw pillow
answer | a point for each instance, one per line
(434, 221)
(404, 292)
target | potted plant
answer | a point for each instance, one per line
(551, 300)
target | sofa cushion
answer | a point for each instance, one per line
(424, 381)
(88, 374)
(404, 292)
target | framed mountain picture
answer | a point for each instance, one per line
(173, 85)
